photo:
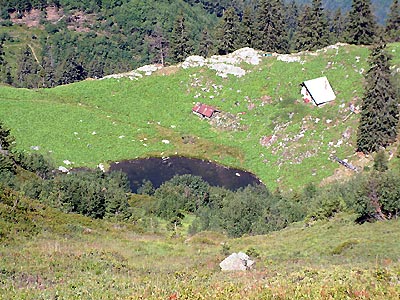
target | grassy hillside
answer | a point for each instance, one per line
(99, 121)
(49, 255)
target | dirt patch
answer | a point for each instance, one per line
(342, 173)
(54, 14)
(78, 21)
(167, 70)
(30, 19)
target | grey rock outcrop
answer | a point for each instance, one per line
(237, 262)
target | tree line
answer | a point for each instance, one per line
(127, 34)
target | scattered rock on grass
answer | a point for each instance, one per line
(237, 262)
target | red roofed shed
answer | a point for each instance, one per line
(204, 110)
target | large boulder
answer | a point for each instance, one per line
(237, 262)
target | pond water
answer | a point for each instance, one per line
(158, 170)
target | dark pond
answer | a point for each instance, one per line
(159, 170)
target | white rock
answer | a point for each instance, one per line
(149, 69)
(101, 167)
(223, 70)
(193, 61)
(289, 58)
(63, 169)
(236, 262)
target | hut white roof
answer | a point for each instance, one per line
(320, 90)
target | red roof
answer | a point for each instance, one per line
(204, 109)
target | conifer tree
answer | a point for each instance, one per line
(180, 44)
(47, 72)
(381, 161)
(379, 111)
(313, 30)
(227, 32)
(158, 45)
(292, 19)
(1, 52)
(27, 69)
(271, 30)
(6, 139)
(320, 24)
(206, 44)
(71, 70)
(246, 31)
(5, 71)
(337, 26)
(304, 34)
(361, 26)
(96, 67)
(392, 29)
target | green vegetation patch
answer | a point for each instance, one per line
(113, 261)
(99, 121)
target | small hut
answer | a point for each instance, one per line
(317, 90)
(204, 110)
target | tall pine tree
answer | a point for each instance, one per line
(227, 32)
(392, 29)
(6, 139)
(361, 26)
(180, 43)
(271, 30)
(71, 69)
(292, 19)
(158, 45)
(313, 28)
(206, 44)
(304, 33)
(47, 72)
(246, 29)
(5, 71)
(380, 110)
(27, 69)
(337, 26)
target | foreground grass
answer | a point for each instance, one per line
(101, 121)
(74, 257)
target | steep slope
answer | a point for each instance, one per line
(107, 37)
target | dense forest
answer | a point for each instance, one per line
(93, 38)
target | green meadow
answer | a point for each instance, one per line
(101, 121)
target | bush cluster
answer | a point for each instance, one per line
(250, 210)
(91, 193)
(256, 210)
